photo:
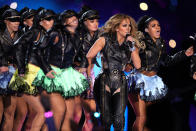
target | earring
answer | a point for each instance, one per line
(146, 30)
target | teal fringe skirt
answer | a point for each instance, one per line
(68, 82)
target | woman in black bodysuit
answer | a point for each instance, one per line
(117, 51)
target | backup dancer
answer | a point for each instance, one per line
(89, 22)
(9, 59)
(67, 82)
(22, 107)
(147, 87)
(36, 42)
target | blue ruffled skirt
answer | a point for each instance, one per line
(5, 79)
(150, 88)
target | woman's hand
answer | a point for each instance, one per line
(21, 75)
(194, 76)
(130, 38)
(189, 51)
(90, 81)
(128, 67)
(90, 90)
(51, 74)
(82, 70)
(4, 69)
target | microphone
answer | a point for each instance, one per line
(129, 43)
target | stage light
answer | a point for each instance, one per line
(143, 6)
(96, 114)
(172, 43)
(13, 5)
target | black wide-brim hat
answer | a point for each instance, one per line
(28, 14)
(68, 14)
(89, 15)
(11, 14)
(3, 9)
(46, 13)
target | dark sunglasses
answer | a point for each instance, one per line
(49, 18)
(17, 19)
(29, 17)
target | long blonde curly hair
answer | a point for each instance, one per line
(114, 21)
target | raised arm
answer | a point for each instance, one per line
(95, 49)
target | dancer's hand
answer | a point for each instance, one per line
(4, 69)
(51, 74)
(90, 81)
(194, 76)
(90, 91)
(128, 67)
(82, 70)
(130, 38)
(21, 75)
(189, 51)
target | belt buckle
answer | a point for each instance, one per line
(115, 71)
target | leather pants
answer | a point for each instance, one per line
(112, 104)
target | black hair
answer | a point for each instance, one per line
(65, 15)
(143, 22)
(189, 41)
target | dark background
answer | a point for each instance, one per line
(177, 19)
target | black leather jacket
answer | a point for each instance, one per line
(193, 65)
(10, 52)
(115, 57)
(62, 53)
(154, 55)
(87, 42)
(35, 43)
